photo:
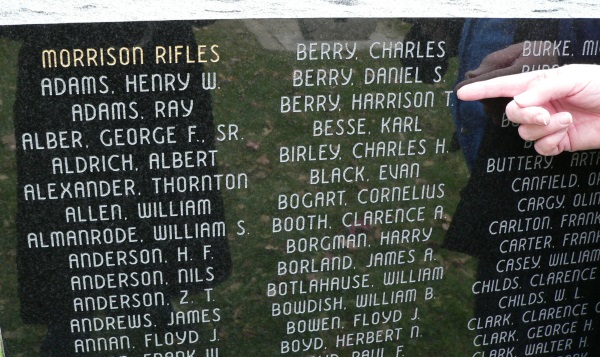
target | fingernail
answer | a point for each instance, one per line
(565, 120)
(525, 99)
(541, 119)
(519, 99)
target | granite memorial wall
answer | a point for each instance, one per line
(301, 187)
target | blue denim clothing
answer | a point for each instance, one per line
(584, 35)
(479, 38)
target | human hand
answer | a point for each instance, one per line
(557, 108)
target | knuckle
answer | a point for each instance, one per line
(525, 133)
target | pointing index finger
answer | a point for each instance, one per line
(505, 86)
